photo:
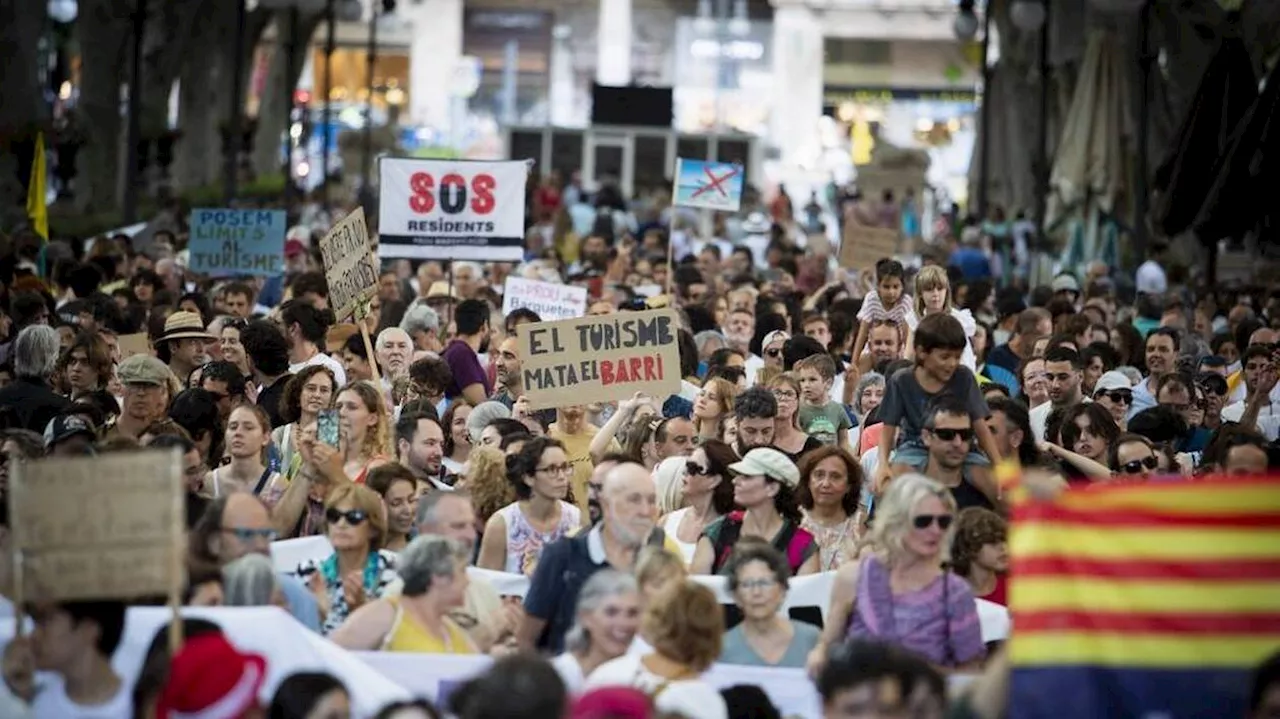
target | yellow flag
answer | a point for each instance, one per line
(36, 209)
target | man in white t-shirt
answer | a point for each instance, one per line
(306, 327)
(75, 640)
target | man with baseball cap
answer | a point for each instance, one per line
(69, 435)
(181, 345)
(146, 383)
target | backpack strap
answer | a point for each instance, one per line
(730, 530)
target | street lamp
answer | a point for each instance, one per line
(966, 22)
(1028, 15)
(63, 11)
(966, 28)
(366, 166)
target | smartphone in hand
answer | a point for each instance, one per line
(327, 427)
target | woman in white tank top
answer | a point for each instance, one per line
(515, 536)
(708, 494)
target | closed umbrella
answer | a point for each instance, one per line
(1227, 90)
(1242, 197)
(1088, 181)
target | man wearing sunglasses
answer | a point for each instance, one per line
(1114, 393)
(948, 437)
(1134, 457)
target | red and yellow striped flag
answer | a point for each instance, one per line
(1151, 599)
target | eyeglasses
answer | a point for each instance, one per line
(695, 469)
(1119, 396)
(247, 534)
(784, 394)
(556, 468)
(950, 435)
(1137, 465)
(354, 517)
(922, 521)
(753, 584)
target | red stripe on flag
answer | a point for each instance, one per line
(1147, 623)
(1063, 565)
(1134, 517)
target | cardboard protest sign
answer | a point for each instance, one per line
(134, 344)
(109, 527)
(452, 210)
(550, 301)
(863, 246)
(600, 359)
(349, 264)
(708, 185)
(237, 242)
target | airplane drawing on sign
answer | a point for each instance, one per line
(708, 185)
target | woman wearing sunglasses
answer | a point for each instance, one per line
(903, 592)
(707, 492)
(1134, 457)
(359, 570)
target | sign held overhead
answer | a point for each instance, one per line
(452, 210)
(550, 301)
(228, 242)
(708, 185)
(349, 265)
(600, 359)
(862, 246)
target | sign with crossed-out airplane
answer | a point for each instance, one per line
(708, 185)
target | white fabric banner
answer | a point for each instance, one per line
(451, 209)
(432, 676)
(813, 590)
(288, 647)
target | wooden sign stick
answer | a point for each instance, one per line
(176, 574)
(361, 313)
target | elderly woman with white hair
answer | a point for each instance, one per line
(606, 622)
(251, 581)
(903, 592)
(423, 325)
(434, 572)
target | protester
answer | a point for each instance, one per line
(606, 622)
(758, 580)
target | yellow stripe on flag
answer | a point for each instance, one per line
(1133, 651)
(1193, 499)
(1142, 596)
(36, 188)
(1157, 544)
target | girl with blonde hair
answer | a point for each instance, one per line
(933, 296)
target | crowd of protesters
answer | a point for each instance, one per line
(831, 419)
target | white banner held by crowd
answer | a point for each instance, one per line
(550, 301)
(452, 209)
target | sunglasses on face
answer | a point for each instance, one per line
(1219, 390)
(695, 469)
(922, 521)
(950, 435)
(354, 517)
(1119, 396)
(1137, 465)
(773, 353)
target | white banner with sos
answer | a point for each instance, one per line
(452, 209)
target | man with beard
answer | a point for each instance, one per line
(739, 328)
(470, 381)
(394, 349)
(1063, 367)
(629, 503)
(884, 344)
(755, 410)
(512, 381)
(574, 431)
(948, 437)
(420, 447)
